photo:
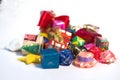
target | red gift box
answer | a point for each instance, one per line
(87, 34)
(66, 36)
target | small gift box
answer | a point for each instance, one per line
(78, 41)
(58, 23)
(66, 39)
(50, 58)
(66, 57)
(102, 43)
(32, 43)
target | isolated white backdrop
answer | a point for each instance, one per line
(18, 17)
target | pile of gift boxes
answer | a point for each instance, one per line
(59, 43)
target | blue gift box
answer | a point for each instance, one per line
(50, 58)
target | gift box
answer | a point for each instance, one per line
(58, 23)
(102, 43)
(50, 58)
(66, 36)
(32, 43)
(87, 34)
(78, 41)
(66, 57)
(32, 39)
(75, 49)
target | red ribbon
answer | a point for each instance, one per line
(47, 17)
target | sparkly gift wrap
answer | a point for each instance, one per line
(85, 60)
(78, 41)
(50, 58)
(66, 57)
(102, 43)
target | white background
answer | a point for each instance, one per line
(18, 17)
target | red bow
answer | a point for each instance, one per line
(47, 17)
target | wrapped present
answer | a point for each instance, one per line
(107, 57)
(75, 49)
(47, 18)
(85, 60)
(87, 34)
(102, 43)
(78, 41)
(32, 43)
(66, 36)
(50, 58)
(30, 58)
(96, 51)
(32, 39)
(66, 57)
(58, 23)
(33, 48)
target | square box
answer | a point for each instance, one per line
(50, 58)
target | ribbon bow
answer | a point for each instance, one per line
(47, 18)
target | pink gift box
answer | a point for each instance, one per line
(58, 23)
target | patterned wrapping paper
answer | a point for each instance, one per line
(60, 44)
(78, 41)
(32, 39)
(66, 36)
(32, 43)
(85, 60)
(66, 57)
(102, 43)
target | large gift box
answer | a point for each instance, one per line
(50, 58)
